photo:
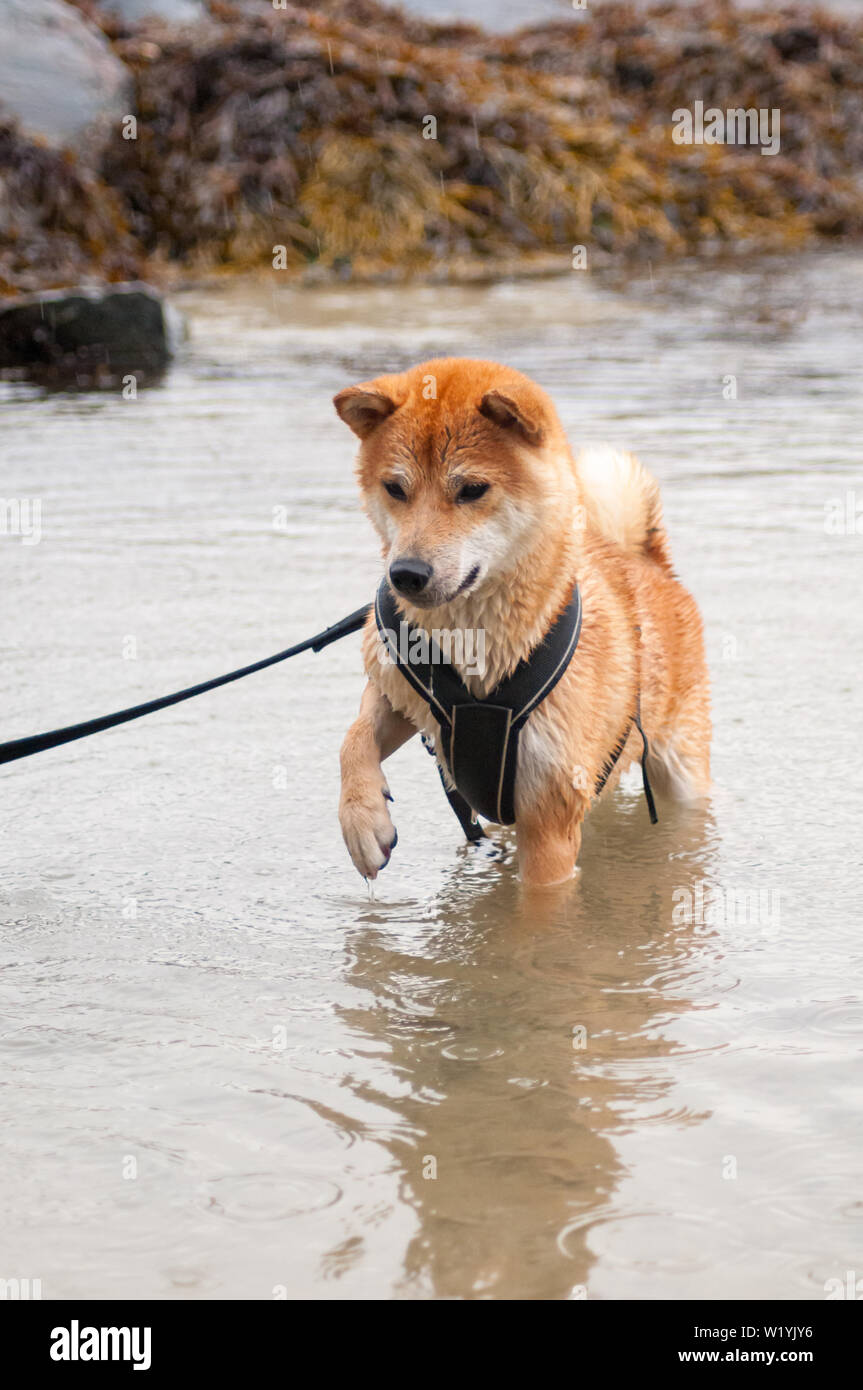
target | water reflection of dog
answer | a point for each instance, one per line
(518, 1040)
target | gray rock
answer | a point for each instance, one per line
(58, 74)
(87, 334)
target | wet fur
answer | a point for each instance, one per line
(548, 519)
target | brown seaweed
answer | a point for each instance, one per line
(307, 129)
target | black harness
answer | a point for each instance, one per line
(479, 738)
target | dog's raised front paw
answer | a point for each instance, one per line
(367, 829)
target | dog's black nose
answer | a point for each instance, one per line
(409, 576)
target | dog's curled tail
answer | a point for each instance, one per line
(623, 502)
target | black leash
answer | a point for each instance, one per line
(37, 743)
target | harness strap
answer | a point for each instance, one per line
(648, 793)
(479, 737)
(618, 749)
(442, 687)
(473, 831)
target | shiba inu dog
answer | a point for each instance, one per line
(490, 525)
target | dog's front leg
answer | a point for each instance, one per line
(363, 815)
(549, 839)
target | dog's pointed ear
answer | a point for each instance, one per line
(510, 414)
(363, 407)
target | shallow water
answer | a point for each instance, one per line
(227, 1071)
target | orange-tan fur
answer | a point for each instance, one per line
(546, 520)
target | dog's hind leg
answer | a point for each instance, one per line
(549, 839)
(679, 758)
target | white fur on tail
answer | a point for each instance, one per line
(622, 499)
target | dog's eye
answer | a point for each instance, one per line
(396, 490)
(471, 492)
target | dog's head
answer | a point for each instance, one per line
(463, 466)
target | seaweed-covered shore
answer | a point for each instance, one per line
(367, 143)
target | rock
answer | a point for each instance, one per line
(633, 75)
(87, 335)
(60, 224)
(58, 74)
(798, 45)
